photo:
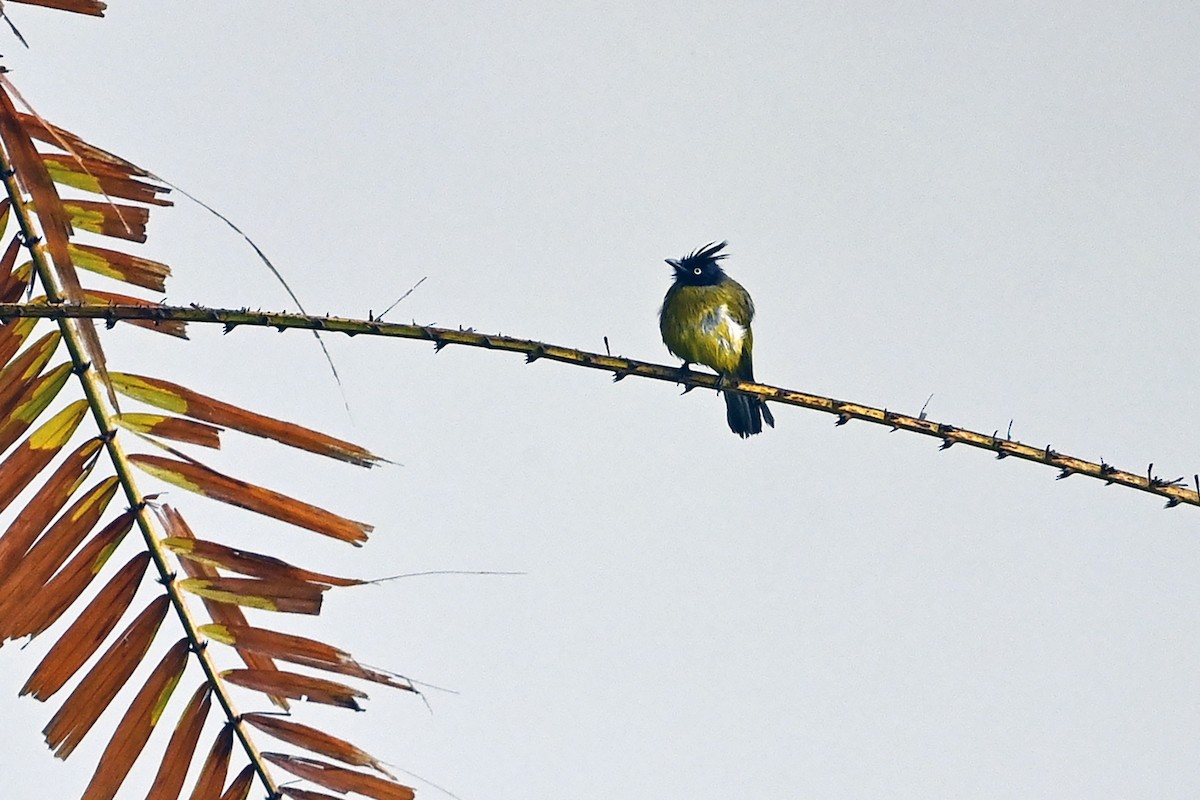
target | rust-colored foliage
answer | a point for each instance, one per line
(180, 400)
(49, 556)
(305, 794)
(287, 596)
(277, 683)
(196, 477)
(119, 266)
(216, 767)
(45, 607)
(223, 613)
(98, 688)
(301, 651)
(107, 219)
(49, 500)
(247, 563)
(340, 779)
(137, 725)
(23, 370)
(102, 177)
(13, 334)
(93, 8)
(88, 632)
(53, 549)
(314, 740)
(32, 456)
(173, 770)
(177, 428)
(239, 787)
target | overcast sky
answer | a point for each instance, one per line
(997, 206)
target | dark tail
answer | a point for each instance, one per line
(745, 413)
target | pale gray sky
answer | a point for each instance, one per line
(996, 205)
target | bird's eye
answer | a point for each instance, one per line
(698, 271)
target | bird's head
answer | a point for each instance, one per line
(701, 268)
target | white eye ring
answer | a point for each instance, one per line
(698, 271)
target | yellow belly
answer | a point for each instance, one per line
(699, 324)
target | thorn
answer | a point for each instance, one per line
(81, 368)
(947, 443)
(229, 326)
(1049, 454)
(687, 387)
(1150, 473)
(622, 374)
(1065, 473)
(1172, 502)
(606, 350)
(107, 436)
(8, 173)
(1001, 454)
(1196, 478)
(1009, 435)
(842, 419)
(438, 344)
(533, 355)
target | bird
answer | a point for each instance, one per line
(705, 319)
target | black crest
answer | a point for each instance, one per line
(701, 267)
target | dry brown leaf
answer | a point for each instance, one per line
(48, 501)
(314, 740)
(223, 613)
(208, 482)
(173, 770)
(14, 333)
(11, 285)
(32, 175)
(305, 794)
(299, 650)
(120, 266)
(175, 428)
(98, 688)
(239, 787)
(286, 596)
(216, 767)
(44, 609)
(106, 219)
(34, 399)
(24, 369)
(53, 549)
(93, 8)
(248, 563)
(88, 631)
(296, 687)
(181, 400)
(102, 177)
(136, 726)
(33, 454)
(340, 779)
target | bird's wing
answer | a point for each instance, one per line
(741, 307)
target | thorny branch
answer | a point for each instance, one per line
(1175, 492)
